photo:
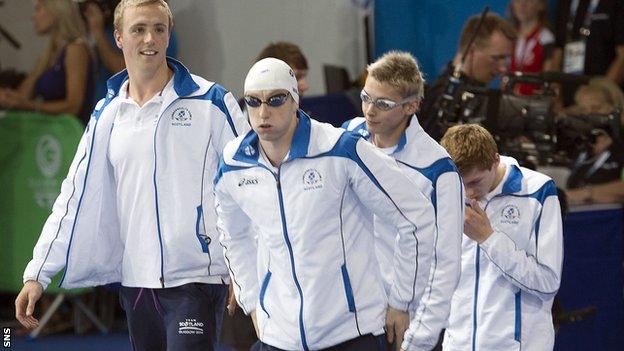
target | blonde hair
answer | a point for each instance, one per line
(471, 147)
(542, 15)
(610, 91)
(68, 28)
(400, 70)
(124, 4)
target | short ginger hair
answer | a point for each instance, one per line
(471, 147)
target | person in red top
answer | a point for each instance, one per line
(535, 41)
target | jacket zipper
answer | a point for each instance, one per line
(292, 259)
(162, 254)
(476, 294)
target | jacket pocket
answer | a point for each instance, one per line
(518, 317)
(348, 289)
(200, 232)
(263, 288)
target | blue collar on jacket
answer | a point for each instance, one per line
(363, 131)
(249, 148)
(513, 183)
(183, 83)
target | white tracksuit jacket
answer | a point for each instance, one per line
(431, 168)
(508, 282)
(82, 234)
(313, 278)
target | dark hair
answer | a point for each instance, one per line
(285, 51)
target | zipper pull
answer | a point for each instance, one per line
(162, 282)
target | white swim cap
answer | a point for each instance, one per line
(270, 74)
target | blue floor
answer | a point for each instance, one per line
(71, 342)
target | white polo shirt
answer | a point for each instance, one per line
(131, 153)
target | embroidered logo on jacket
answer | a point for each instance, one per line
(191, 326)
(312, 179)
(181, 116)
(510, 214)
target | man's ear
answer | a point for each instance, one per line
(117, 36)
(496, 160)
(411, 107)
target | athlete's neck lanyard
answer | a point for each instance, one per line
(584, 30)
(600, 160)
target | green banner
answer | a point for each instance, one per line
(36, 151)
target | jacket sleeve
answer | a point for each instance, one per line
(231, 124)
(435, 304)
(227, 123)
(50, 251)
(388, 193)
(239, 248)
(538, 274)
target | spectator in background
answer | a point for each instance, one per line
(604, 160)
(535, 42)
(485, 60)
(600, 96)
(109, 56)
(590, 38)
(52, 87)
(607, 193)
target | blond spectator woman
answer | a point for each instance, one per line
(61, 81)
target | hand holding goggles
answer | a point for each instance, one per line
(273, 101)
(383, 104)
